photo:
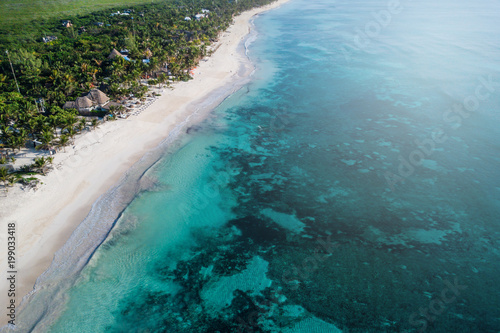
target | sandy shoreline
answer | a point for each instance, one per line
(46, 218)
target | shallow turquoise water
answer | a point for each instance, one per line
(337, 191)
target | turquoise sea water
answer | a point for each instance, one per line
(353, 185)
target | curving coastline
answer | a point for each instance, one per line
(48, 218)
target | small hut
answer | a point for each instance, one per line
(114, 54)
(94, 100)
(98, 98)
(82, 104)
(111, 104)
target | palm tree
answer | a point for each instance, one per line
(94, 123)
(115, 90)
(4, 177)
(47, 137)
(3, 80)
(19, 140)
(119, 67)
(71, 132)
(81, 124)
(63, 141)
(40, 164)
(31, 126)
(6, 137)
(11, 180)
(70, 121)
(54, 121)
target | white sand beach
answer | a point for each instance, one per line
(98, 159)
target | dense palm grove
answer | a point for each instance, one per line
(51, 73)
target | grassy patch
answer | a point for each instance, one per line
(22, 12)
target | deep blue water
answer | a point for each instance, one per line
(353, 185)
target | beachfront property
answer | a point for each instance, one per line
(94, 100)
(81, 104)
(98, 98)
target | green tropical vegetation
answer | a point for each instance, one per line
(38, 76)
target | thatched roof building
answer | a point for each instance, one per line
(110, 104)
(98, 97)
(114, 54)
(81, 103)
(84, 105)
